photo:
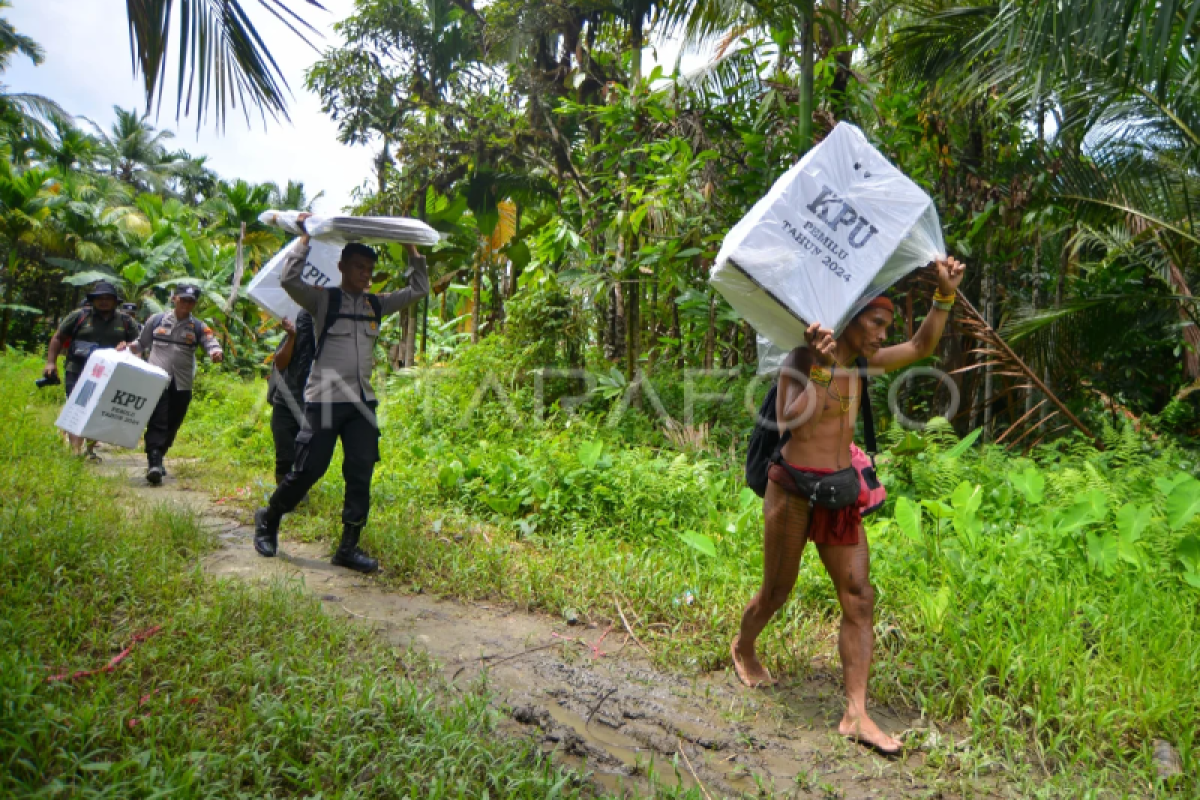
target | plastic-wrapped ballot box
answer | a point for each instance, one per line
(321, 269)
(113, 399)
(835, 231)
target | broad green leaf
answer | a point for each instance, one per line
(589, 453)
(967, 497)
(1188, 552)
(135, 273)
(1183, 502)
(965, 444)
(1077, 516)
(1103, 551)
(1131, 521)
(1098, 502)
(1193, 579)
(1031, 483)
(938, 509)
(1165, 485)
(908, 517)
(699, 542)
(541, 488)
(909, 445)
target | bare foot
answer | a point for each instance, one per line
(864, 731)
(749, 669)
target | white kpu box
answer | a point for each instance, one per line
(321, 269)
(834, 232)
(114, 398)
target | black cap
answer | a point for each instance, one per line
(102, 288)
(129, 307)
(188, 291)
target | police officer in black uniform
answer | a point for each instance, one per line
(98, 324)
(293, 362)
(340, 403)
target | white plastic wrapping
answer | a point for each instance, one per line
(770, 357)
(114, 398)
(355, 229)
(321, 269)
(835, 231)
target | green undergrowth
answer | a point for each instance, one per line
(241, 692)
(1050, 601)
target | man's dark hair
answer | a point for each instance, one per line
(359, 249)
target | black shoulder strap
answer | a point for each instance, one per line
(868, 417)
(83, 317)
(376, 306)
(332, 311)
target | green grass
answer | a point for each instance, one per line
(1066, 640)
(244, 692)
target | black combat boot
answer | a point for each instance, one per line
(266, 532)
(155, 471)
(349, 556)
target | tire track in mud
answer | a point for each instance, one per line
(586, 693)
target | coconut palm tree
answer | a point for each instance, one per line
(134, 151)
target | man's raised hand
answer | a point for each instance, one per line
(822, 343)
(949, 275)
(303, 215)
(288, 326)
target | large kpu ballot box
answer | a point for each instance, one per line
(113, 399)
(835, 231)
(320, 269)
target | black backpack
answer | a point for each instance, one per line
(765, 441)
(334, 312)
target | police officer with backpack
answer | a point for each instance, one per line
(95, 326)
(340, 403)
(169, 341)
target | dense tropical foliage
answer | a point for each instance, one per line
(583, 196)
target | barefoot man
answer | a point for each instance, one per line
(817, 401)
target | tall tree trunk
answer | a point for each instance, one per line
(6, 317)
(618, 321)
(632, 333)
(1191, 334)
(804, 133)
(477, 292)
(710, 336)
(676, 329)
(989, 304)
(749, 344)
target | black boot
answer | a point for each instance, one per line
(266, 532)
(349, 556)
(155, 471)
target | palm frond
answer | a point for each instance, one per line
(223, 61)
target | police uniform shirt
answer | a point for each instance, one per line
(105, 332)
(342, 374)
(171, 345)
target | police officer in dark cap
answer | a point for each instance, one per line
(97, 325)
(169, 341)
(340, 403)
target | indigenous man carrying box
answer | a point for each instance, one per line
(818, 399)
(169, 341)
(339, 400)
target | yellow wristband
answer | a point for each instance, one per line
(938, 297)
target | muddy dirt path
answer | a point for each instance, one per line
(588, 693)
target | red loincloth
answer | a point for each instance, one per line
(826, 526)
